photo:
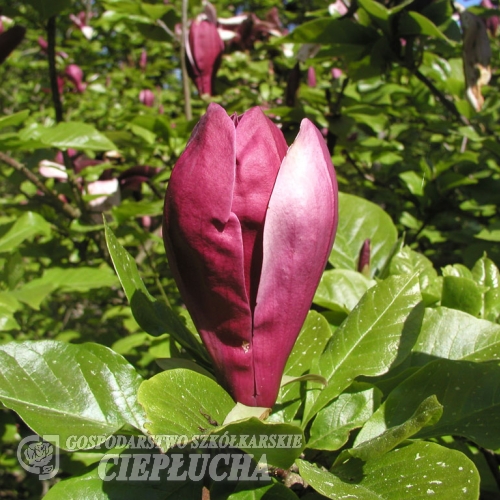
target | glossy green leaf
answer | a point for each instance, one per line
(91, 486)
(79, 279)
(427, 413)
(341, 289)
(332, 425)
(34, 292)
(7, 320)
(358, 220)
(407, 261)
(451, 334)
(183, 402)
(413, 23)
(468, 391)
(14, 119)
(462, 294)
(378, 13)
(75, 135)
(281, 444)
(379, 333)
(486, 274)
(275, 491)
(307, 348)
(67, 389)
(26, 226)
(154, 317)
(332, 31)
(419, 470)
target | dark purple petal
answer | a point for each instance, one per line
(364, 257)
(204, 52)
(205, 249)
(260, 148)
(9, 40)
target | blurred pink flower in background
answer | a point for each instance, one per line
(75, 76)
(147, 97)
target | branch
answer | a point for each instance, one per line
(444, 100)
(51, 54)
(67, 209)
(165, 28)
(185, 78)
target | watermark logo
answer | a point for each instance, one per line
(39, 456)
(222, 457)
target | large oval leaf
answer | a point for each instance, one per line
(469, 393)
(66, 389)
(359, 220)
(419, 470)
(378, 334)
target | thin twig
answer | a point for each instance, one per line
(360, 171)
(444, 100)
(51, 54)
(165, 28)
(68, 210)
(185, 78)
(336, 107)
(56, 99)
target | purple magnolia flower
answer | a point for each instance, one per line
(493, 21)
(204, 50)
(9, 40)
(143, 60)
(81, 22)
(311, 77)
(147, 97)
(364, 257)
(248, 229)
(75, 75)
(337, 73)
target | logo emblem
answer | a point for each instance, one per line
(39, 455)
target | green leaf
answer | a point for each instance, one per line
(14, 119)
(28, 225)
(451, 334)
(7, 320)
(332, 31)
(67, 389)
(154, 317)
(182, 402)
(412, 23)
(378, 334)
(262, 438)
(468, 391)
(419, 470)
(407, 261)
(275, 491)
(307, 348)
(49, 8)
(81, 279)
(486, 274)
(358, 220)
(75, 135)
(462, 294)
(332, 425)
(378, 13)
(90, 485)
(341, 289)
(428, 413)
(129, 209)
